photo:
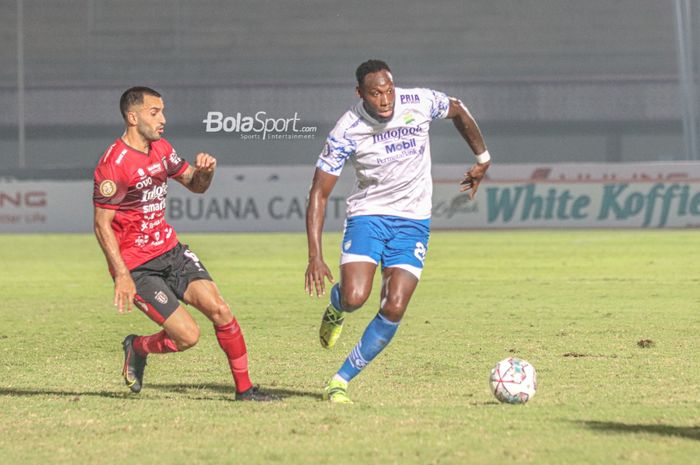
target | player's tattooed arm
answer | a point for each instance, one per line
(198, 178)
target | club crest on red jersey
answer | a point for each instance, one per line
(108, 188)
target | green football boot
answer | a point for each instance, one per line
(331, 327)
(336, 392)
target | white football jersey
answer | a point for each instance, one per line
(391, 159)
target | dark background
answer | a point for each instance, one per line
(547, 80)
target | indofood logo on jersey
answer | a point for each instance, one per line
(259, 126)
(399, 141)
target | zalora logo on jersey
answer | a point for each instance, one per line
(259, 126)
(158, 192)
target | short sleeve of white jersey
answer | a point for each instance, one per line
(439, 103)
(337, 149)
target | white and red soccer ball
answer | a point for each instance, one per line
(513, 381)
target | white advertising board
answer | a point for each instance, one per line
(653, 195)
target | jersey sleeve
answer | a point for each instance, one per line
(110, 186)
(174, 165)
(337, 149)
(439, 104)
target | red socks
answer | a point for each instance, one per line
(158, 343)
(231, 341)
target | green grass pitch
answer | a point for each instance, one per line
(576, 304)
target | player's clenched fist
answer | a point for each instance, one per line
(205, 162)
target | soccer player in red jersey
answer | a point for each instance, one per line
(147, 262)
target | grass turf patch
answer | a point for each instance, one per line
(575, 304)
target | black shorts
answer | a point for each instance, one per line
(162, 281)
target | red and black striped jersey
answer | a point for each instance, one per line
(135, 184)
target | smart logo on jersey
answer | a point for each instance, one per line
(154, 207)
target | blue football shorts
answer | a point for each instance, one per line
(393, 241)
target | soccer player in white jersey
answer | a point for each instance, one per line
(385, 137)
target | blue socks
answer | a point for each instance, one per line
(335, 297)
(377, 336)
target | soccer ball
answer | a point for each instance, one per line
(513, 381)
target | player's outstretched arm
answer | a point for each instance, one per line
(467, 127)
(198, 178)
(317, 270)
(124, 287)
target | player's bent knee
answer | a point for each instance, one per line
(186, 343)
(187, 339)
(395, 304)
(353, 300)
(393, 309)
(220, 314)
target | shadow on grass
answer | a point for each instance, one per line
(227, 388)
(184, 388)
(687, 432)
(10, 392)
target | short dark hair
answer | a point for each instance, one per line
(369, 66)
(134, 96)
